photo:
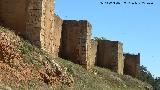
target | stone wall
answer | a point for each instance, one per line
(93, 53)
(13, 14)
(131, 64)
(76, 41)
(34, 20)
(120, 58)
(57, 34)
(110, 55)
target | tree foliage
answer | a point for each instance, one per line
(157, 83)
(99, 38)
(146, 76)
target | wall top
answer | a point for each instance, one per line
(129, 54)
(77, 22)
(114, 42)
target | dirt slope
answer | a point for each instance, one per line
(24, 66)
(21, 63)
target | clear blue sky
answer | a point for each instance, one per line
(137, 26)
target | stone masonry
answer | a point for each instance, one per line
(131, 64)
(76, 42)
(13, 14)
(40, 23)
(34, 20)
(57, 34)
(110, 55)
(93, 53)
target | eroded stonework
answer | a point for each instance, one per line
(93, 53)
(110, 55)
(76, 42)
(34, 20)
(57, 34)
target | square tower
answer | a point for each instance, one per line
(110, 55)
(131, 64)
(76, 41)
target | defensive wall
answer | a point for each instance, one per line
(35, 21)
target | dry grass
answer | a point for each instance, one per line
(31, 68)
(101, 79)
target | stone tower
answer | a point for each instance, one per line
(131, 64)
(110, 55)
(76, 42)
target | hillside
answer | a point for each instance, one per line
(24, 66)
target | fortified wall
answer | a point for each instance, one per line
(131, 64)
(76, 41)
(34, 20)
(110, 55)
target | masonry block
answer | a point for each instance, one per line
(110, 55)
(131, 64)
(76, 42)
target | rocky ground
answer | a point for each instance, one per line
(20, 62)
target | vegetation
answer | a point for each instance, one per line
(147, 77)
(144, 74)
(99, 38)
(24, 66)
(38, 70)
(101, 79)
(157, 84)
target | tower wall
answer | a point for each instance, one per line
(110, 55)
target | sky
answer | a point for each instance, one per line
(136, 26)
